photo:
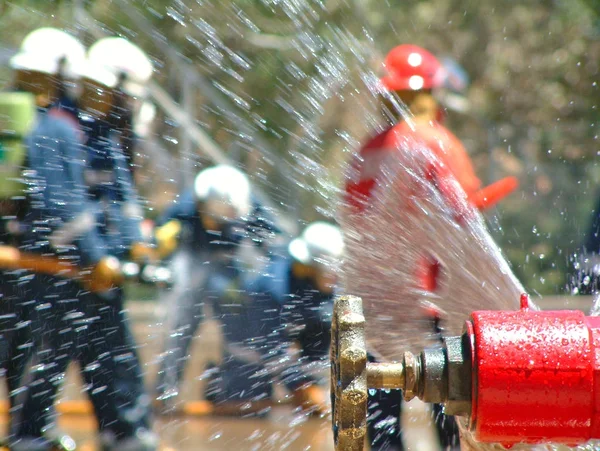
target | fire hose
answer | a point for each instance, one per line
(109, 273)
(522, 376)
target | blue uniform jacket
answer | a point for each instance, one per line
(299, 300)
(60, 218)
(258, 226)
(111, 187)
(194, 235)
(282, 308)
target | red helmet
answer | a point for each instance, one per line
(411, 68)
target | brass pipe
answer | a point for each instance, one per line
(385, 375)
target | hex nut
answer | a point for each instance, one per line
(410, 376)
(459, 376)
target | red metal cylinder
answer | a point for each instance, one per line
(536, 376)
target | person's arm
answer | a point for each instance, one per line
(181, 209)
(81, 222)
(169, 226)
(131, 213)
(261, 225)
(78, 215)
(492, 194)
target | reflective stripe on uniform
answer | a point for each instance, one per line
(70, 231)
(95, 177)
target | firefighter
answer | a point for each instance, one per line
(134, 69)
(311, 271)
(200, 234)
(116, 74)
(413, 74)
(290, 301)
(62, 247)
(17, 113)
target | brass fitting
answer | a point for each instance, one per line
(403, 375)
(348, 374)
(438, 375)
(385, 375)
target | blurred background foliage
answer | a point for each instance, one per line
(286, 97)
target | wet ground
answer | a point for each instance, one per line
(282, 431)
(221, 434)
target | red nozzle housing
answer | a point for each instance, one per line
(536, 376)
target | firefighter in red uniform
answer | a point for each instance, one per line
(413, 74)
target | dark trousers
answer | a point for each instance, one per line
(130, 393)
(70, 324)
(314, 340)
(383, 419)
(383, 422)
(16, 339)
(255, 344)
(446, 428)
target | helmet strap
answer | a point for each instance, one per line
(121, 118)
(60, 77)
(421, 103)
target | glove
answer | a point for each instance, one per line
(106, 274)
(494, 193)
(9, 257)
(481, 199)
(143, 253)
(167, 238)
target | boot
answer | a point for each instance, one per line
(62, 442)
(142, 440)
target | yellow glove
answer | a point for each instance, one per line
(143, 253)
(167, 238)
(106, 274)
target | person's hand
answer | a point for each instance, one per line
(142, 253)
(167, 238)
(106, 274)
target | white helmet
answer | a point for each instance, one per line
(99, 74)
(225, 184)
(120, 56)
(319, 241)
(44, 49)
